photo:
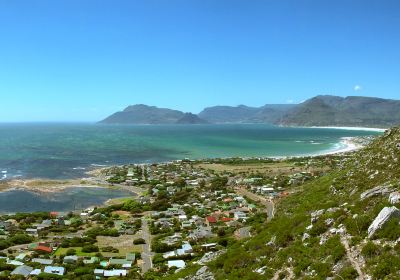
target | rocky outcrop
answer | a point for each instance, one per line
(210, 256)
(394, 197)
(383, 217)
(316, 214)
(202, 274)
(380, 190)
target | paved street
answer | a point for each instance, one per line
(146, 254)
(269, 204)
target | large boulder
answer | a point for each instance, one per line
(383, 217)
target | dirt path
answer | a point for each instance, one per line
(352, 258)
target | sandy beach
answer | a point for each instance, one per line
(351, 128)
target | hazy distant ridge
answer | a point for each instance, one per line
(326, 110)
(323, 110)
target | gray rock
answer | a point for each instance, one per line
(210, 256)
(383, 217)
(202, 274)
(316, 214)
(329, 222)
(394, 197)
(380, 190)
(305, 236)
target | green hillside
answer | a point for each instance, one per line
(336, 246)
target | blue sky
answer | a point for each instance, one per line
(72, 60)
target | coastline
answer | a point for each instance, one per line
(95, 179)
(348, 144)
(354, 128)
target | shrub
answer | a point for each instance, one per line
(348, 273)
(370, 250)
(70, 252)
(90, 249)
(139, 241)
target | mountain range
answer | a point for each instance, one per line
(322, 110)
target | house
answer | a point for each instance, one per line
(123, 262)
(85, 216)
(53, 215)
(186, 248)
(209, 246)
(98, 272)
(21, 257)
(44, 224)
(201, 233)
(226, 219)
(92, 260)
(130, 173)
(239, 215)
(115, 273)
(43, 261)
(23, 270)
(182, 217)
(170, 254)
(70, 259)
(131, 257)
(176, 263)
(211, 220)
(186, 224)
(32, 232)
(43, 249)
(14, 262)
(36, 272)
(57, 270)
(173, 239)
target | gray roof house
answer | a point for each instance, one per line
(23, 270)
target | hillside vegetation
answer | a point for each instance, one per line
(321, 231)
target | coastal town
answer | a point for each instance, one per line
(183, 213)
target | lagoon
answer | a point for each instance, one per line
(75, 198)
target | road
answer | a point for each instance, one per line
(147, 255)
(269, 204)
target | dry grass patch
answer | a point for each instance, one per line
(123, 243)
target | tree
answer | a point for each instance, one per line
(70, 252)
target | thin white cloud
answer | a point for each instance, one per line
(357, 88)
(290, 101)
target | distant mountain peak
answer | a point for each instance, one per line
(189, 118)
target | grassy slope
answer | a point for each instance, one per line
(375, 165)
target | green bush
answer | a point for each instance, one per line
(90, 249)
(139, 241)
(370, 250)
(70, 252)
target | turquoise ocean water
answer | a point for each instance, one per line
(68, 150)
